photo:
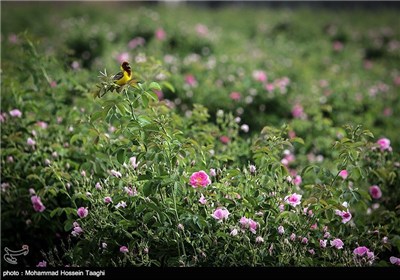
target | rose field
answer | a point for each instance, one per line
(249, 136)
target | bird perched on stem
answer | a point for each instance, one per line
(123, 77)
(117, 82)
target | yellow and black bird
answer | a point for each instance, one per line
(123, 77)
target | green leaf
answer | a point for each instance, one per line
(121, 156)
(282, 215)
(148, 216)
(69, 211)
(136, 234)
(356, 173)
(122, 109)
(145, 177)
(151, 95)
(323, 202)
(68, 225)
(154, 85)
(298, 140)
(169, 86)
(144, 120)
(97, 115)
(310, 200)
(74, 138)
(368, 133)
(307, 169)
(145, 101)
(148, 188)
(56, 212)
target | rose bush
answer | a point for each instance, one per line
(217, 157)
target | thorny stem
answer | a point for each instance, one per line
(130, 105)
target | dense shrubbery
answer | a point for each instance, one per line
(286, 162)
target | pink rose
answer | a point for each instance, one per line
(15, 113)
(360, 251)
(202, 199)
(37, 204)
(221, 214)
(82, 212)
(337, 243)
(384, 144)
(199, 179)
(123, 249)
(343, 174)
(293, 199)
(107, 200)
(375, 192)
(394, 260)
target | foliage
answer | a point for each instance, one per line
(199, 102)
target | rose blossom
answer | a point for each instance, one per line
(259, 239)
(130, 191)
(42, 264)
(213, 173)
(346, 215)
(98, 186)
(82, 212)
(375, 192)
(252, 168)
(293, 199)
(259, 76)
(77, 231)
(221, 214)
(235, 95)
(42, 124)
(249, 223)
(15, 113)
(297, 180)
(297, 111)
(337, 243)
(107, 200)
(202, 199)
(394, 260)
(123, 249)
(360, 251)
(116, 173)
(37, 204)
(245, 128)
(132, 160)
(30, 142)
(384, 144)
(190, 80)
(120, 204)
(234, 232)
(160, 34)
(343, 174)
(199, 179)
(224, 139)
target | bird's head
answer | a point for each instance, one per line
(125, 66)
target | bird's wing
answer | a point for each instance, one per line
(118, 76)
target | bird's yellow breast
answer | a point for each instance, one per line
(124, 79)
